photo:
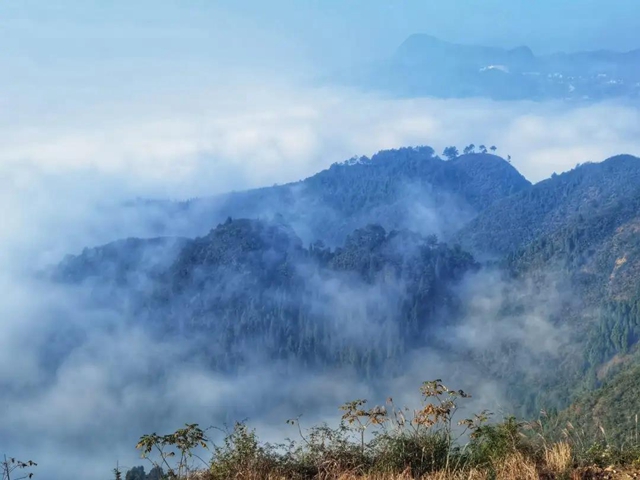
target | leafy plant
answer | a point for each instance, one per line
(175, 450)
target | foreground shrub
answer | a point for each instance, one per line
(491, 444)
(242, 456)
(418, 453)
(387, 443)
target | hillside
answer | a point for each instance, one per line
(610, 413)
(579, 227)
(559, 202)
(249, 290)
(580, 224)
(407, 188)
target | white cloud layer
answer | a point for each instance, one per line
(209, 142)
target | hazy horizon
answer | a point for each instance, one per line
(114, 48)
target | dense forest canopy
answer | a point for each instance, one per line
(408, 188)
(252, 283)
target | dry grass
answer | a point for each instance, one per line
(463, 475)
(558, 458)
(556, 463)
(514, 468)
(470, 475)
(466, 475)
(517, 467)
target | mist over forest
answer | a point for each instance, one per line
(201, 234)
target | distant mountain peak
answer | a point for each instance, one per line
(421, 43)
(426, 65)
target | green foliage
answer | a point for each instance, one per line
(324, 452)
(240, 453)
(616, 332)
(578, 230)
(553, 204)
(605, 454)
(423, 443)
(491, 443)
(419, 452)
(610, 414)
(174, 451)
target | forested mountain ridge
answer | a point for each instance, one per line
(599, 249)
(407, 188)
(582, 227)
(249, 289)
(552, 204)
(360, 289)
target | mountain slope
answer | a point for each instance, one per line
(610, 413)
(248, 291)
(582, 227)
(552, 204)
(404, 188)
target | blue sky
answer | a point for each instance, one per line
(109, 63)
(67, 51)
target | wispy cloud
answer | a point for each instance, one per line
(211, 142)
